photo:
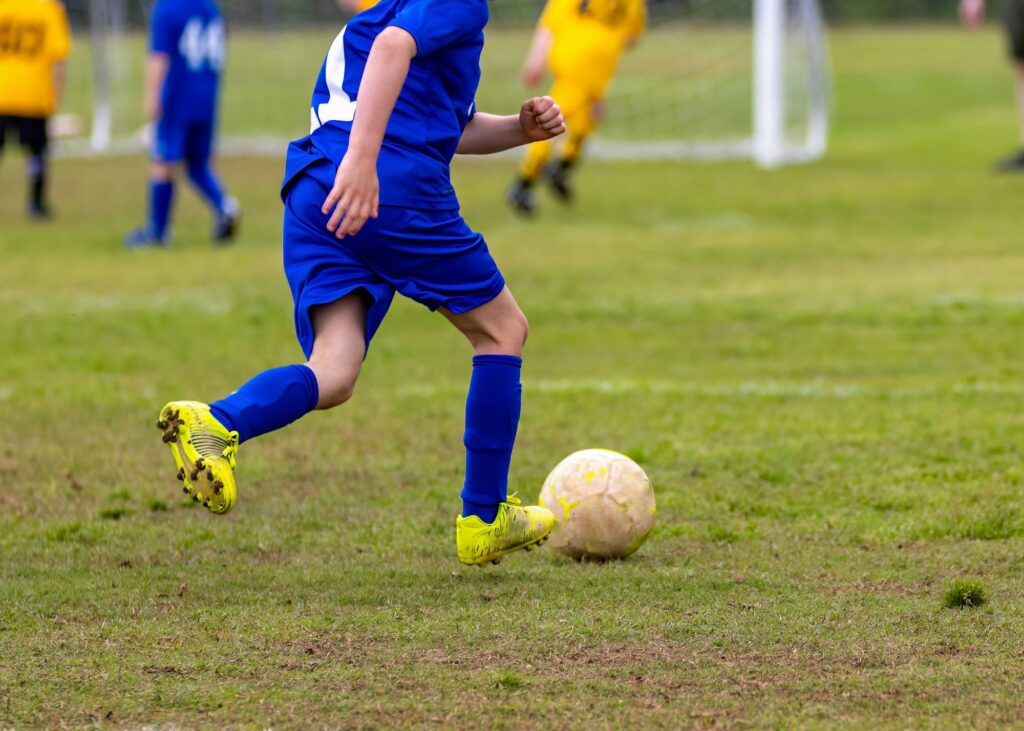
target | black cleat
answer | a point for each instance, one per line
(40, 213)
(521, 199)
(226, 227)
(556, 175)
(1012, 164)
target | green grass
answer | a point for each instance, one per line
(821, 368)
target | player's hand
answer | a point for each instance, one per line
(355, 196)
(532, 74)
(972, 12)
(541, 119)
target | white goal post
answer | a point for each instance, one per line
(711, 80)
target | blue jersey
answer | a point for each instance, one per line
(191, 34)
(433, 107)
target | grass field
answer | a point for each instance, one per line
(821, 368)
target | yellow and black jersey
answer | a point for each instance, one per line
(590, 35)
(33, 35)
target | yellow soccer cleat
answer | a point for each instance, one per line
(204, 452)
(514, 528)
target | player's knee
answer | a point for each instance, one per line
(336, 389)
(507, 337)
(161, 172)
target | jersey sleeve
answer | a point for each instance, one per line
(163, 31)
(59, 35)
(439, 24)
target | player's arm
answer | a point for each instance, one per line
(972, 12)
(355, 195)
(59, 48)
(156, 73)
(164, 35)
(539, 119)
(537, 57)
(60, 77)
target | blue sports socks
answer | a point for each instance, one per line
(161, 196)
(207, 184)
(492, 419)
(271, 400)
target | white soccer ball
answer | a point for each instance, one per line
(603, 505)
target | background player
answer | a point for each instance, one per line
(34, 45)
(387, 219)
(353, 7)
(581, 41)
(973, 13)
(187, 52)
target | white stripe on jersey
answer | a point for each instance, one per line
(340, 107)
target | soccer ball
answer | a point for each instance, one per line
(603, 505)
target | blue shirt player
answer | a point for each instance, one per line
(370, 211)
(183, 74)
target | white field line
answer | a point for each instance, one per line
(198, 301)
(751, 389)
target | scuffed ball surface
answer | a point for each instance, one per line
(603, 504)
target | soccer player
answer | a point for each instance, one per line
(973, 13)
(186, 57)
(581, 41)
(34, 45)
(370, 210)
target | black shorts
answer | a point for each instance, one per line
(1014, 16)
(31, 132)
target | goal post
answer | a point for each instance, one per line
(710, 79)
(771, 147)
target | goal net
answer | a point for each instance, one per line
(711, 79)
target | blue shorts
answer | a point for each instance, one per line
(432, 257)
(177, 141)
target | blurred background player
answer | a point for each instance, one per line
(354, 7)
(183, 73)
(973, 14)
(581, 42)
(34, 46)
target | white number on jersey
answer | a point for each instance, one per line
(340, 108)
(203, 45)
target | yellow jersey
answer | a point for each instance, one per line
(34, 35)
(589, 36)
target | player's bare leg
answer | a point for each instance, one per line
(497, 331)
(339, 348)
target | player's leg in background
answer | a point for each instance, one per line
(198, 165)
(1015, 29)
(277, 397)
(497, 331)
(580, 123)
(5, 121)
(165, 157)
(35, 140)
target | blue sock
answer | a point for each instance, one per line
(208, 184)
(271, 400)
(161, 196)
(492, 419)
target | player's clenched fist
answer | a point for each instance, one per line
(541, 118)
